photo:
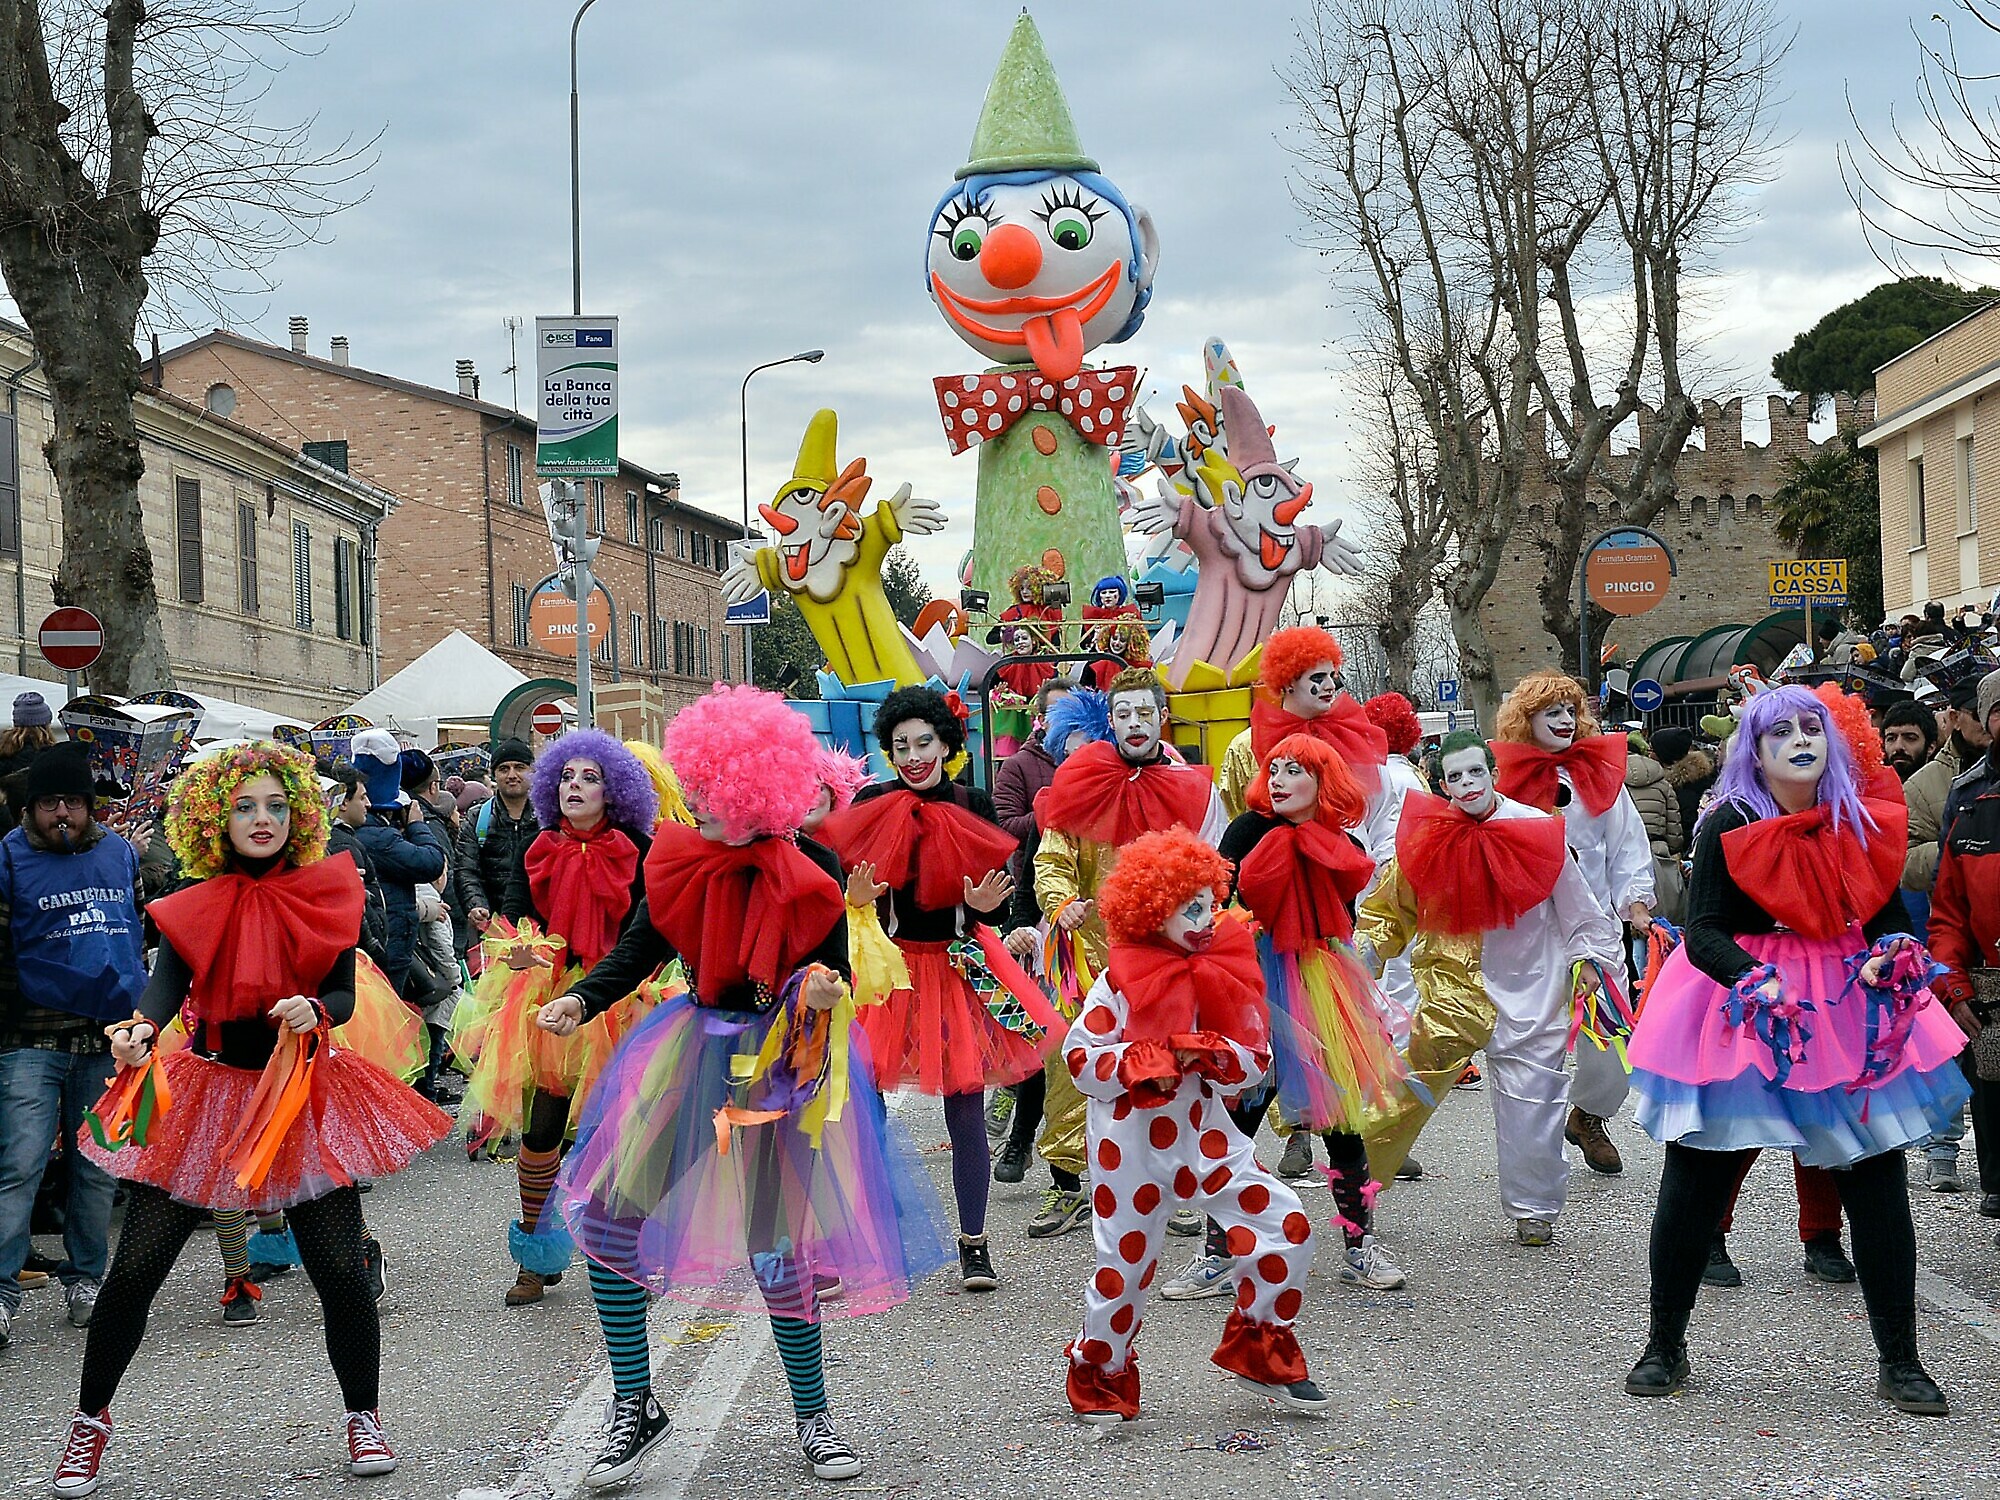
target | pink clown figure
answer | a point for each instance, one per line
(1175, 1028)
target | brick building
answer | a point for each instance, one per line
(1720, 529)
(1938, 443)
(261, 556)
(468, 541)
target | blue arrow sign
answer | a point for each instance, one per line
(1647, 695)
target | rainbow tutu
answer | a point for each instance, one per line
(1333, 1062)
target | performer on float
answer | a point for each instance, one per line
(573, 893)
(1506, 934)
(1298, 871)
(260, 1113)
(735, 1151)
(1118, 629)
(1552, 756)
(1105, 794)
(929, 853)
(1174, 1027)
(1797, 1015)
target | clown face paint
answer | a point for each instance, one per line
(1109, 598)
(580, 793)
(1192, 927)
(1294, 790)
(1468, 782)
(1312, 692)
(1792, 756)
(817, 538)
(1135, 724)
(917, 753)
(260, 818)
(1554, 727)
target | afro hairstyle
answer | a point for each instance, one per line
(1341, 801)
(1155, 875)
(198, 809)
(1290, 654)
(923, 703)
(630, 801)
(842, 775)
(747, 760)
(1396, 717)
(1087, 710)
(1532, 694)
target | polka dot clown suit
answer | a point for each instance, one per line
(1174, 1028)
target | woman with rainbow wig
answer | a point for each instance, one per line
(1798, 1018)
(261, 1111)
(575, 889)
(736, 1152)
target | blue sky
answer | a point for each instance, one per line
(757, 179)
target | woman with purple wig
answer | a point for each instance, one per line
(1796, 1016)
(570, 896)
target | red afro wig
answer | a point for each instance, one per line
(1850, 715)
(1341, 801)
(1396, 717)
(1155, 875)
(746, 760)
(1290, 654)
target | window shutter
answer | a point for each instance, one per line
(302, 612)
(246, 557)
(10, 491)
(187, 535)
(343, 588)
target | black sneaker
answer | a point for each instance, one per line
(1662, 1370)
(1826, 1261)
(826, 1450)
(1298, 1395)
(239, 1303)
(975, 1265)
(635, 1428)
(262, 1271)
(1011, 1165)
(1721, 1269)
(375, 1268)
(1989, 1205)
(1298, 1157)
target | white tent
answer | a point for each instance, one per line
(456, 681)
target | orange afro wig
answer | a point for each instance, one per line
(1850, 714)
(1155, 875)
(1290, 654)
(1341, 801)
(746, 760)
(1532, 694)
(1396, 717)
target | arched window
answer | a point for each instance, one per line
(220, 400)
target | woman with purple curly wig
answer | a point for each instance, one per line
(576, 886)
(1796, 1016)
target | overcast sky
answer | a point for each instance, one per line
(757, 179)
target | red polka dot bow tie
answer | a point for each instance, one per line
(979, 408)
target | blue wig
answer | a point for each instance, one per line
(629, 799)
(1085, 709)
(972, 192)
(1112, 581)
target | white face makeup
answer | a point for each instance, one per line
(1792, 754)
(1312, 692)
(260, 817)
(822, 805)
(1554, 727)
(917, 753)
(1192, 926)
(580, 793)
(1135, 724)
(1294, 790)
(1468, 782)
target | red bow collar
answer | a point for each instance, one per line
(1596, 767)
(931, 843)
(738, 912)
(979, 408)
(252, 940)
(1098, 795)
(1299, 880)
(1171, 992)
(1472, 875)
(1344, 729)
(1818, 882)
(582, 885)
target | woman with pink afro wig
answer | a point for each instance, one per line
(840, 777)
(748, 764)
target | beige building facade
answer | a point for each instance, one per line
(1937, 442)
(263, 558)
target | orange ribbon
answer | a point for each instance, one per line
(135, 1099)
(734, 1114)
(282, 1092)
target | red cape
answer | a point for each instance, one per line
(935, 845)
(1299, 882)
(251, 940)
(1596, 767)
(1816, 881)
(737, 912)
(1471, 875)
(1098, 795)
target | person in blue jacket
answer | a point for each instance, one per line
(405, 849)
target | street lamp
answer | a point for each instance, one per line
(575, 192)
(806, 357)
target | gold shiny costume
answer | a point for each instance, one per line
(1069, 869)
(1237, 769)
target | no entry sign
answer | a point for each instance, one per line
(72, 639)
(547, 719)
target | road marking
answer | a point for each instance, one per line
(1969, 1310)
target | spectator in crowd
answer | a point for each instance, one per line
(492, 840)
(350, 811)
(1690, 771)
(70, 961)
(405, 849)
(1909, 737)
(32, 732)
(1660, 810)
(1927, 788)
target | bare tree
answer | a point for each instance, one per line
(1407, 540)
(132, 163)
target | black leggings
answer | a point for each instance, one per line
(1695, 1190)
(329, 1233)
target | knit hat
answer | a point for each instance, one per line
(418, 768)
(61, 771)
(1672, 743)
(512, 750)
(379, 759)
(1989, 695)
(31, 709)
(469, 794)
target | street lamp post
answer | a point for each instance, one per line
(808, 357)
(575, 191)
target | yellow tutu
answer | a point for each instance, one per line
(382, 1030)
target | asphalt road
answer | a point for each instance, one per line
(1495, 1373)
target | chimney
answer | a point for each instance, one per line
(298, 335)
(468, 383)
(340, 350)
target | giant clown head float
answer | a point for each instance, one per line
(1034, 259)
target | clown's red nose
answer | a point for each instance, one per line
(1011, 257)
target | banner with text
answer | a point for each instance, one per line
(576, 410)
(1815, 582)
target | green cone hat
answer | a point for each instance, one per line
(1025, 124)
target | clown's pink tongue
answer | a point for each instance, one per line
(1055, 343)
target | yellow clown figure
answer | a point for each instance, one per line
(829, 559)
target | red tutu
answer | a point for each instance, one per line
(359, 1122)
(939, 1035)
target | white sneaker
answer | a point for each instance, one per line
(1534, 1233)
(1368, 1264)
(6, 1325)
(826, 1450)
(1204, 1276)
(82, 1299)
(1941, 1175)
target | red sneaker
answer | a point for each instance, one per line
(368, 1451)
(76, 1471)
